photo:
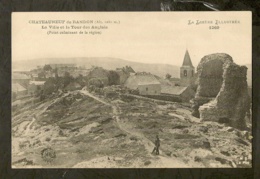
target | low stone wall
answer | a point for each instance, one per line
(165, 97)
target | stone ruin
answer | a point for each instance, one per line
(222, 94)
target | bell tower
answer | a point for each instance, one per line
(187, 70)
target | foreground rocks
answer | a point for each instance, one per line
(222, 94)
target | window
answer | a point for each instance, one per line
(146, 88)
(185, 73)
(192, 73)
(155, 92)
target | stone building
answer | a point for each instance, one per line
(18, 91)
(222, 93)
(187, 71)
(21, 79)
(184, 93)
(145, 83)
(124, 73)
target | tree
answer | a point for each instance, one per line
(47, 68)
(67, 79)
(95, 82)
(168, 76)
(80, 80)
(41, 75)
(113, 78)
(50, 86)
(56, 72)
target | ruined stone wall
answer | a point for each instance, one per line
(222, 91)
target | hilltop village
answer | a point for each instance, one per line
(38, 81)
(68, 116)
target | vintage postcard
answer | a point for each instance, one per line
(131, 90)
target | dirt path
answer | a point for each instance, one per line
(28, 128)
(160, 161)
(94, 97)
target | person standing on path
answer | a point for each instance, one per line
(157, 145)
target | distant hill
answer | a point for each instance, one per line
(111, 64)
(107, 63)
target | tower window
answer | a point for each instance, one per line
(185, 73)
(192, 73)
(146, 89)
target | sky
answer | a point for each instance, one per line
(148, 37)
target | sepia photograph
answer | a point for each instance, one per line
(131, 90)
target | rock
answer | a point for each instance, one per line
(225, 153)
(206, 144)
(147, 163)
(120, 135)
(179, 127)
(168, 153)
(203, 129)
(230, 129)
(24, 161)
(106, 120)
(197, 159)
(185, 131)
(133, 138)
(222, 160)
(222, 94)
(201, 144)
(241, 141)
(97, 130)
(123, 145)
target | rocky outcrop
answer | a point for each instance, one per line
(222, 94)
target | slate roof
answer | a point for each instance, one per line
(174, 90)
(187, 60)
(37, 83)
(140, 79)
(16, 87)
(20, 76)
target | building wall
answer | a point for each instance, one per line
(186, 74)
(123, 76)
(149, 89)
(187, 95)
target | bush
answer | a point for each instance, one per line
(95, 83)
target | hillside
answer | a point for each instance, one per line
(107, 63)
(71, 130)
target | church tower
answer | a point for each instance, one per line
(187, 70)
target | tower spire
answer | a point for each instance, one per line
(187, 60)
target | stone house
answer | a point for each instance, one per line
(185, 93)
(149, 88)
(21, 79)
(124, 73)
(145, 83)
(18, 90)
